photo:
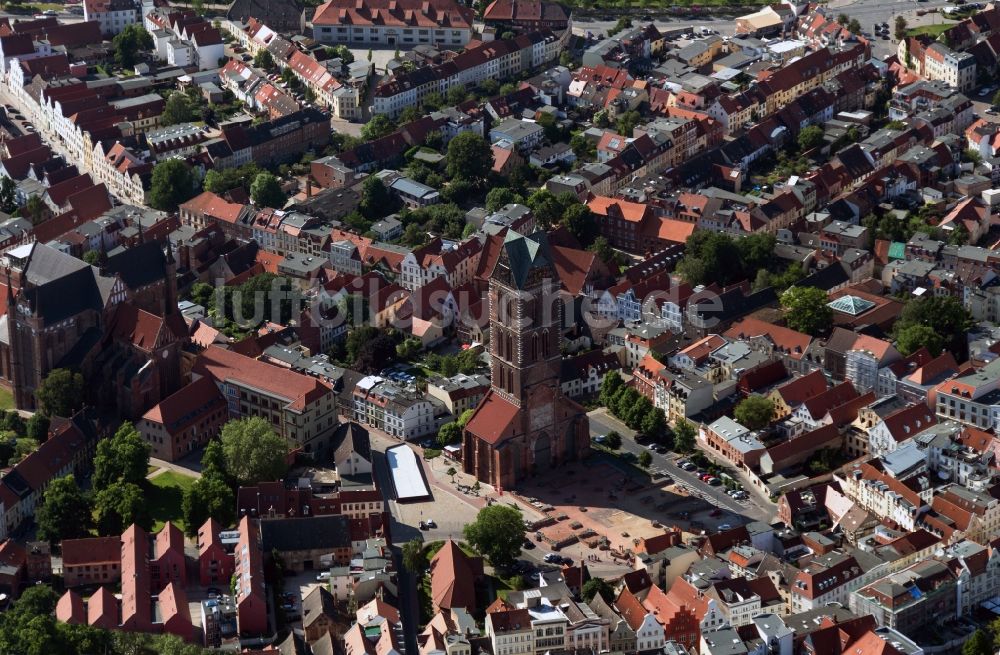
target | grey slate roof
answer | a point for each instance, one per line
(524, 254)
(317, 532)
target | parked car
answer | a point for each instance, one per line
(528, 545)
(552, 558)
(323, 577)
(713, 481)
(431, 524)
(423, 525)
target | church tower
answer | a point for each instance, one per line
(524, 425)
(525, 319)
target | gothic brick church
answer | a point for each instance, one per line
(524, 425)
(117, 323)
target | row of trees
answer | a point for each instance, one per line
(716, 257)
(634, 409)
(29, 627)
(116, 500)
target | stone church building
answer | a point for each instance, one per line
(524, 425)
(117, 323)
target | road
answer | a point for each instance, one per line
(754, 509)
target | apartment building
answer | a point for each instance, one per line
(456, 261)
(957, 69)
(826, 579)
(299, 407)
(972, 399)
(185, 420)
(91, 561)
(388, 23)
(401, 412)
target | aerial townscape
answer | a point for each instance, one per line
(499, 327)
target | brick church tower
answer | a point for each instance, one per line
(524, 425)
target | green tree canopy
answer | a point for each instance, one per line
(376, 200)
(943, 314)
(37, 427)
(208, 497)
(254, 451)
(806, 310)
(266, 191)
(264, 59)
(645, 459)
(497, 533)
(596, 586)
(498, 197)
(415, 557)
(64, 513)
(172, 183)
(579, 221)
(469, 158)
(684, 436)
(379, 126)
(129, 43)
(178, 109)
(755, 412)
(912, 338)
(123, 457)
(450, 433)
(979, 643)
(810, 137)
(120, 505)
(60, 393)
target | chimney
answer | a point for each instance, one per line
(309, 188)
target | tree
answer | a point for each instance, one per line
(64, 513)
(755, 412)
(645, 459)
(457, 95)
(613, 440)
(378, 127)
(208, 497)
(35, 209)
(627, 122)
(912, 338)
(684, 434)
(450, 433)
(120, 505)
(469, 158)
(213, 461)
(609, 387)
(376, 200)
(266, 191)
(654, 423)
(172, 183)
(452, 472)
(178, 109)
(37, 427)
(596, 586)
(806, 310)
(499, 197)
(900, 28)
(497, 533)
(579, 221)
(8, 198)
(122, 458)
(128, 43)
(60, 393)
(853, 26)
(414, 557)
(582, 147)
(943, 314)
(254, 452)
(263, 59)
(810, 137)
(978, 644)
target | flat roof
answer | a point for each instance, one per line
(407, 473)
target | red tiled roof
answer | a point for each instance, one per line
(225, 365)
(91, 550)
(787, 340)
(492, 419)
(819, 405)
(453, 577)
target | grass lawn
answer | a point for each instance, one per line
(931, 30)
(164, 498)
(6, 399)
(152, 469)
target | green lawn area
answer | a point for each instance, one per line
(6, 399)
(164, 498)
(151, 469)
(931, 30)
